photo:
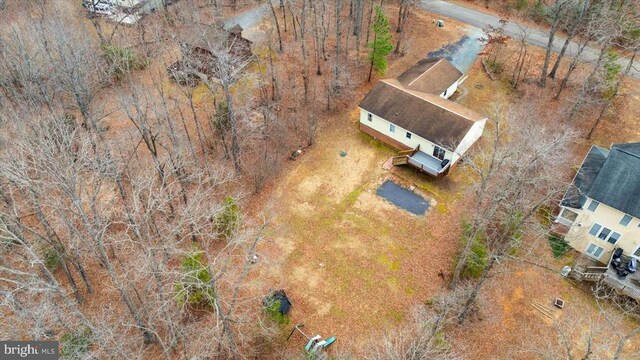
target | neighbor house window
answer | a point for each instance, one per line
(614, 237)
(604, 234)
(593, 206)
(444, 93)
(369, 117)
(568, 215)
(637, 253)
(626, 219)
(392, 128)
(408, 135)
(438, 152)
(594, 251)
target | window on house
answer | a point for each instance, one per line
(604, 233)
(445, 93)
(568, 215)
(392, 128)
(595, 229)
(438, 152)
(614, 237)
(408, 135)
(626, 219)
(637, 253)
(594, 251)
(369, 117)
(593, 206)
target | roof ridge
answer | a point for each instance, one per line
(419, 76)
(411, 92)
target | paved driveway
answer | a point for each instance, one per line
(536, 37)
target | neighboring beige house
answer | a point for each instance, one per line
(412, 114)
(602, 205)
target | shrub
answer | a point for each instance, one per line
(227, 221)
(52, 258)
(273, 310)
(479, 257)
(220, 119)
(538, 12)
(522, 4)
(559, 246)
(74, 345)
(495, 66)
(195, 289)
(121, 61)
(611, 71)
(545, 215)
(69, 121)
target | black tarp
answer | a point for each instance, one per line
(281, 296)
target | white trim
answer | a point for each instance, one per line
(628, 222)
(566, 221)
(602, 228)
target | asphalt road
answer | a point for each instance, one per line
(249, 18)
(535, 36)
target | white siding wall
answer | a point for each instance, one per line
(381, 125)
(147, 7)
(472, 136)
(127, 3)
(452, 89)
(579, 237)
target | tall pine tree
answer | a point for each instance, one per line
(381, 45)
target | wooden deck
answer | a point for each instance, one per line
(590, 270)
(421, 161)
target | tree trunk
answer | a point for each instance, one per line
(572, 33)
(572, 67)
(613, 95)
(369, 22)
(373, 51)
(552, 33)
(275, 19)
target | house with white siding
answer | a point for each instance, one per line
(412, 113)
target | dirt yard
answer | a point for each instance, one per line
(351, 261)
(353, 264)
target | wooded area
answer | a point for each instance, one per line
(132, 207)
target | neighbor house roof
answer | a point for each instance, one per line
(429, 116)
(208, 37)
(575, 196)
(431, 76)
(611, 178)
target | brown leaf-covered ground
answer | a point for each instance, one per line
(354, 264)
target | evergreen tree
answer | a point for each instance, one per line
(227, 221)
(381, 45)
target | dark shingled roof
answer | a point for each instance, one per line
(431, 76)
(614, 180)
(575, 196)
(429, 116)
